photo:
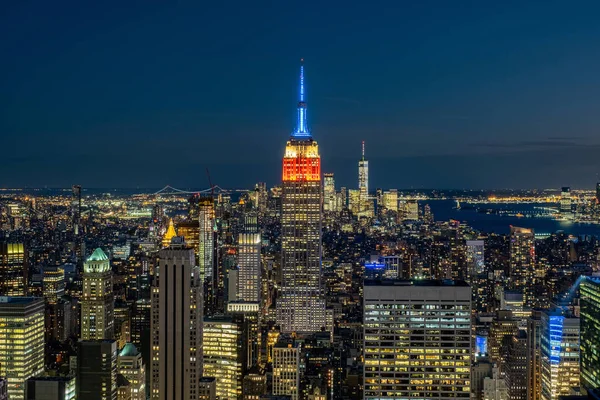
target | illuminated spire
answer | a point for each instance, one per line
(301, 126)
(171, 233)
(363, 150)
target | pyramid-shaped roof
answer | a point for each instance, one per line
(98, 255)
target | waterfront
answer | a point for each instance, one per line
(444, 210)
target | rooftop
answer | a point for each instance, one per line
(98, 255)
(415, 282)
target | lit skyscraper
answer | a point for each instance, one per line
(13, 269)
(522, 259)
(21, 342)
(363, 172)
(207, 249)
(475, 257)
(97, 370)
(565, 201)
(329, 198)
(590, 330)
(301, 305)
(417, 339)
(97, 314)
(286, 369)
(131, 366)
(559, 354)
(176, 325)
(249, 265)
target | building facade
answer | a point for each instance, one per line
(97, 304)
(97, 370)
(21, 342)
(176, 325)
(301, 305)
(417, 339)
(590, 333)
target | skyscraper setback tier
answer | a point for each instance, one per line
(301, 305)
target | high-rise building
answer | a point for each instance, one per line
(224, 355)
(13, 269)
(475, 257)
(598, 193)
(207, 253)
(329, 198)
(390, 200)
(286, 369)
(522, 260)
(50, 388)
(76, 208)
(534, 362)
(363, 173)
(97, 316)
(131, 366)
(565, 201)
(249, 267)
(516, 367)
(97, 370)
(590, 332)
(21, 342)
(176, 324)
(169, 234)
(411, 328)
(54, 284)
(301, 305)
(559, 354)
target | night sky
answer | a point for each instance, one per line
(446, 94)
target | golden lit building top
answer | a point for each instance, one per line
(171, 233)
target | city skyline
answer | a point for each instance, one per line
(498, 99)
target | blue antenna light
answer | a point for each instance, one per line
(301, 125)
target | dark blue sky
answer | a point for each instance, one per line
(447, 94)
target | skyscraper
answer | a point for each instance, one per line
(522, 259)
(97, 370)
(21, 341)
(131, 366)
(411, 328)
(249, 266)
(76, 208)
(97, 315)
(365, 204)
(329, 198)
(224, 355)
(286, 369)
(13, 269)
(301, 305)
(565, 201)
(176, 325)
(559, 354)
(207, 250)
(590, 330)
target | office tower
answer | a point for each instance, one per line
(207, 254)
(249, 267)
(410, 210)
(97, 370)
(565, 200)
(590, 332)
(504, 325)
(390, 200)
(248, 314)
(169, 234)
(176, 324)
(207, 388)
(50, 388)
(598, 193)
(97, 318)
(516, 367)
(286, 369)
(354, 204)
(21, 342)
(62, 325)
(329, 201)
(224, 355)
(522, 260)
(410, 329)
(76, 209)
(301, 306)
(190, 231)
(13, 269)
(559, 354)
(54, 284)
(475, 257)
(131, 366)
(122, 323)
(534, 362)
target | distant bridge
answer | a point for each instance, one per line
(217, 189)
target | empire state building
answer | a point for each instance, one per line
(301, 304)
